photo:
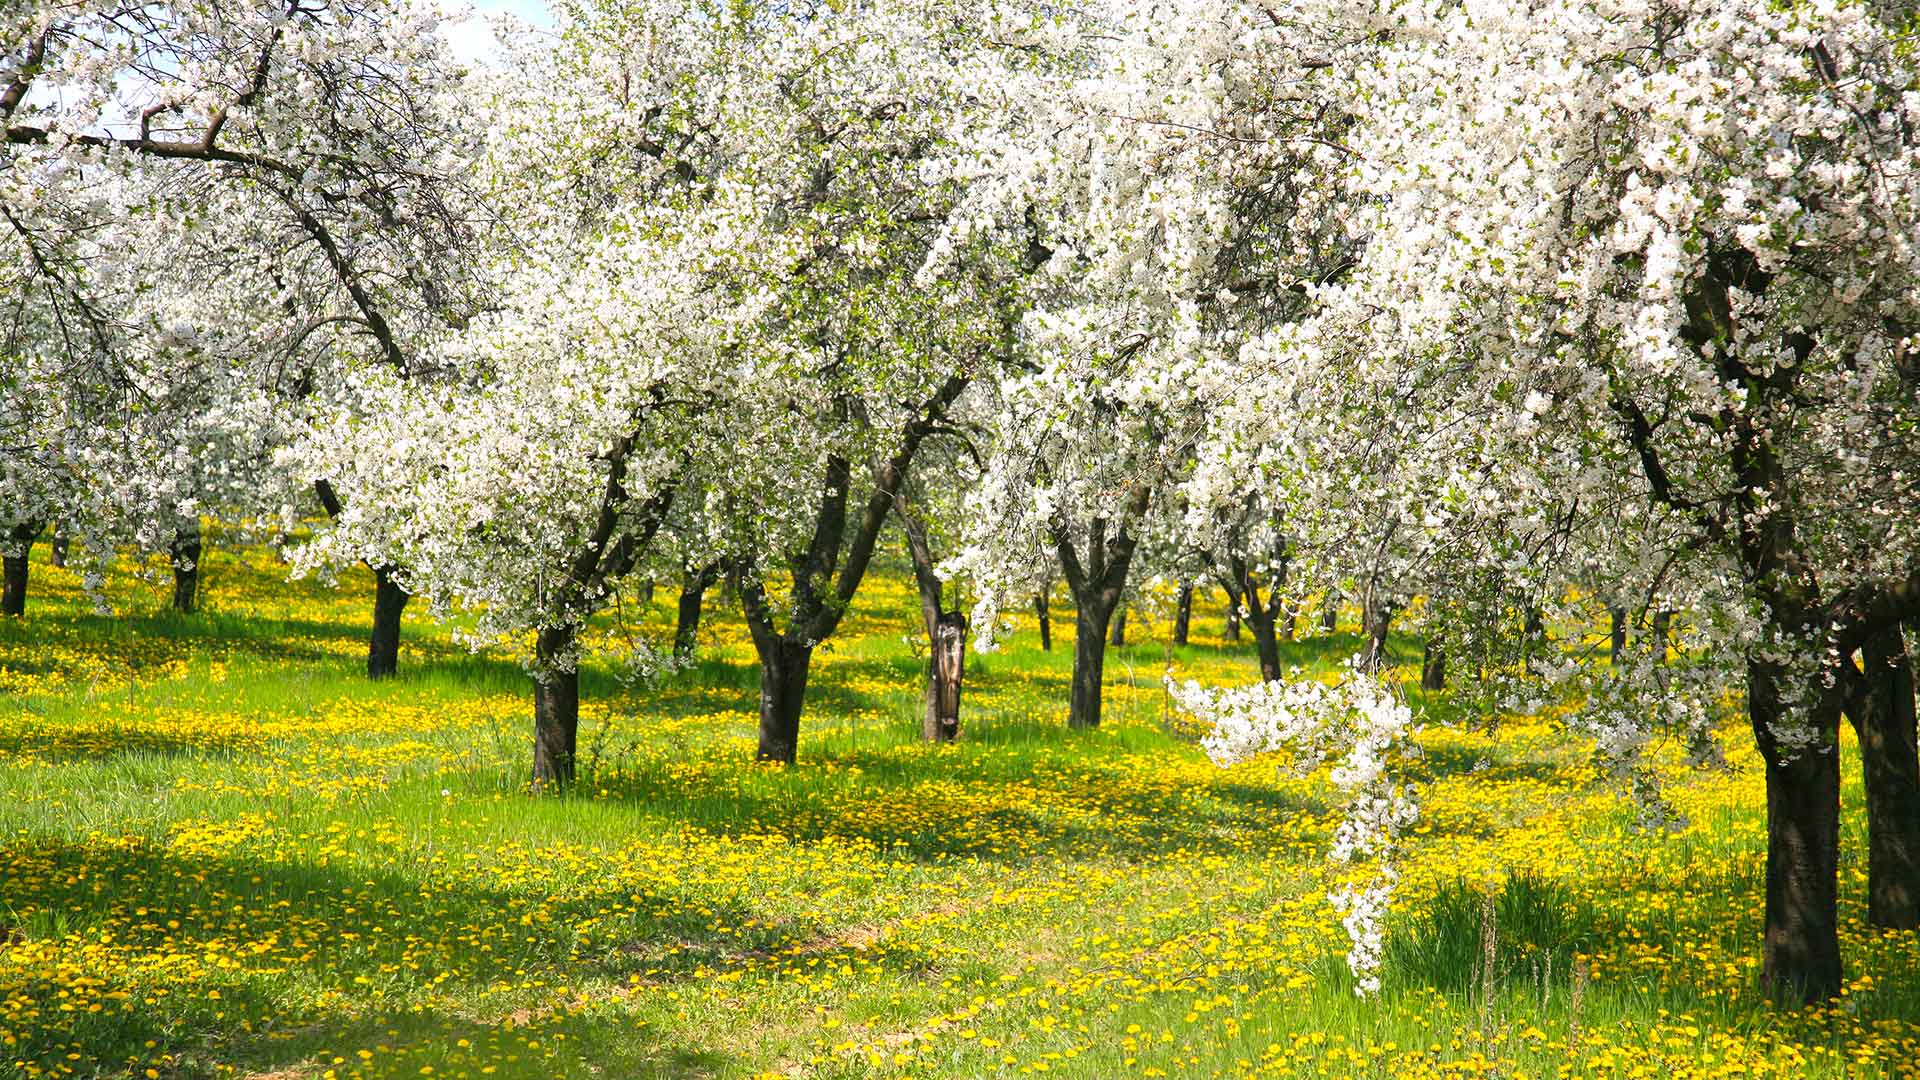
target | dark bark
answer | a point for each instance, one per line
(783, 692)
(383, 646)
(1376, 620)
(1183, 614)
(13, 590)
(1880, 705)
(556, 709)
(643, 595)
(1330, 612)
(1801, 950)
(1097, 584)
(1261, 613)
(1662, 633)
(185, 552)
(1119, 627)
(693, 591)
(1089, 664)
(1233, 621)
(1433, 667)
(946, 671)
(1045, 616)
(946, 635)
(57, 555)
(1617, 633)
(824, 585)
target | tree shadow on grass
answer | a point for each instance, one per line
(184, 960)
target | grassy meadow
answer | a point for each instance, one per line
(228, 854)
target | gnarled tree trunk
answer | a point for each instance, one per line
(1880, 705)
(946, 670)
(185, 553)
(946, 635)
(556, 709)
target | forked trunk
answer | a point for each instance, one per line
(1433, 667)
(1376, 619)
(946, 669)
(783, 691)
(556, 709)
(1089, 663)
(1801, 951)
(383, 647)
(185, 552)
(1882, 711)
(1041, 612)
(1266, 635)
(1183, 615)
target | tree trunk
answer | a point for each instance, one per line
(1881, 708)
(1330, 612)
(1376, 619)
(58, 553)
(1433, 667)
(1119, 624)
(1183, 615)
(643, 595)
(1261, 614)
(783, 691)
(946, 669)
(1233, 621)
(1041, 612)
(1617, 633)
(185, 551)
(1801, 951)
(693, 592)
(556, 709)
(13, 593)
(1089, 663)
(383, 647)
(1657, 643)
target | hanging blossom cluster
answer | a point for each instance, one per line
(1362, 729)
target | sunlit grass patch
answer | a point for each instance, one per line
(230, 855)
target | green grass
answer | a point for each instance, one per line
(222, 804)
